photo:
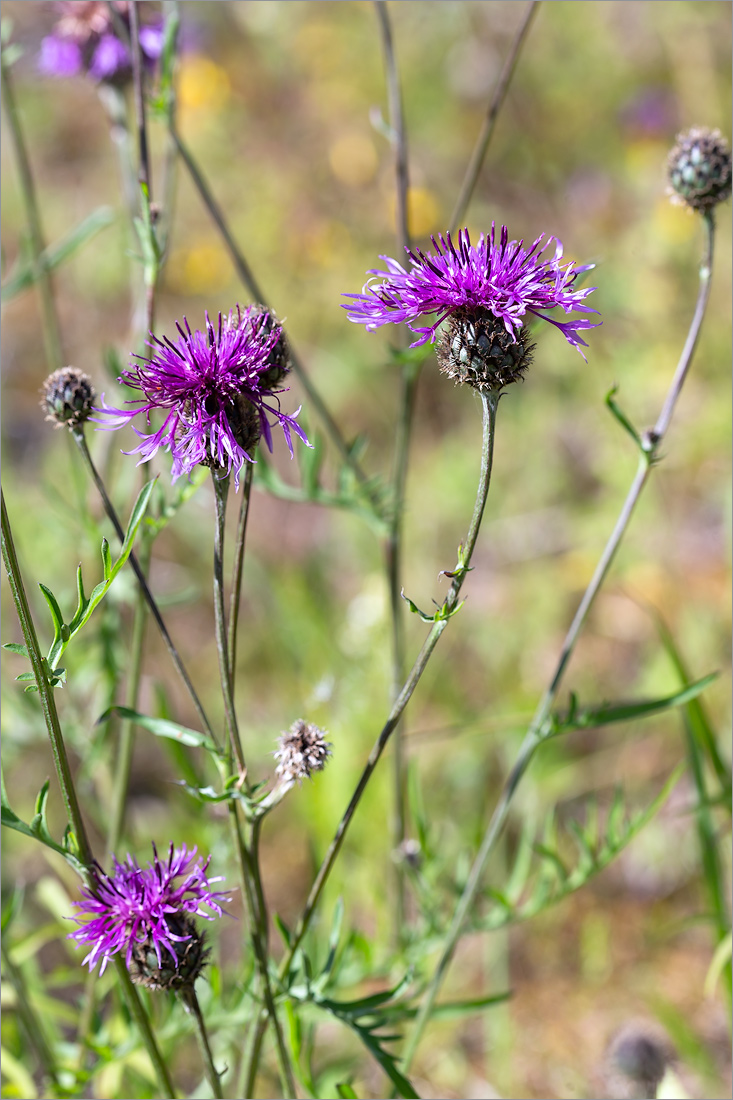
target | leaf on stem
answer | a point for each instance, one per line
(163, 727)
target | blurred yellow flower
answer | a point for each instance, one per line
(422, 210)
(353, 159)
(201, 269)
(202, 85)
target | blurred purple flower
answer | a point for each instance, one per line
(145, 905)
(215, 392)
(504, 278)
(85, 39)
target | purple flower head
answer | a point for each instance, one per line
(503, 278)
(145, 905)
(86, 38)
(216, 391)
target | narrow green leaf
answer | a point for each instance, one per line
(25, 676)
(345, 1091)
(106, 561)
(25, 275)
(621, 417)
(16, 647)
(283, 929)
(162, 727)
(58, 619)
(608, 713)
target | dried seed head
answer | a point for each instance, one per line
(476, 349)
(699, 169)
(172, 973)
(303, 749)
(67, 397)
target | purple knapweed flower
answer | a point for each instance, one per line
(86, 39)
(501, 278)
(218, 391)
(146, 913)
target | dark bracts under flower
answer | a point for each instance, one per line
(146, 913)
(700, 169)
(218, 391)
(92, 36)
(68, 397)
(502, 279)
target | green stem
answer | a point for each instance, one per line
(393, 549)
(649, 456)
(49, 317)
(191, 1003)
(140, 1017)
(237, 568)
(478, 156)
(45, 692)
(30, 1019)
(257, 918)
(490, 402)
(221, 490)
(126, 744)
(80, 440)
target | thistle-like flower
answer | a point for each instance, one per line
(146, 912)
(303, 750)
(87, 38)
(699, 168)
(484, 291)
(68, 397)
(218, 391)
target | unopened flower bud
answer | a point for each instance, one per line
(67, 397)
(303, 750)
(476, 349)
(699, 168)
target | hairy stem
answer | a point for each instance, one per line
(221, 490)
(534, 736)
(410, 375)
(140, 1017)
(475, 164)
(191, 1003)
(80, 440)
(49, 317)
(237, 568)
(45, 692)
(490, 402)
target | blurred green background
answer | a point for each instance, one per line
(277, 101)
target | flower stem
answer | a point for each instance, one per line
(221, 490)
(140, 1017)
(246, 275)
(490, 403)
(235, 596)
(534, 736)
(482, 144)
(49, 316)
(191, 1003)
(126, 744)
(80, 440)
(45, 692)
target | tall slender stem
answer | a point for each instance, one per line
(49, 316)
(151, 254)
(533, 738)
(126, 744)
(191, 1003)
(140, 1017)
(475, 164)
(410, 375)
(237, 567)
(490, 402)
(221, 490)
(80, 440)
(45, 692)
(244, 271)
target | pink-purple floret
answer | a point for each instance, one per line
(504, 278)
(135, 905)
(194, 380)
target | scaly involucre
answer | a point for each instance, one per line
(504, 278)
(212, 388)
(137, 904)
